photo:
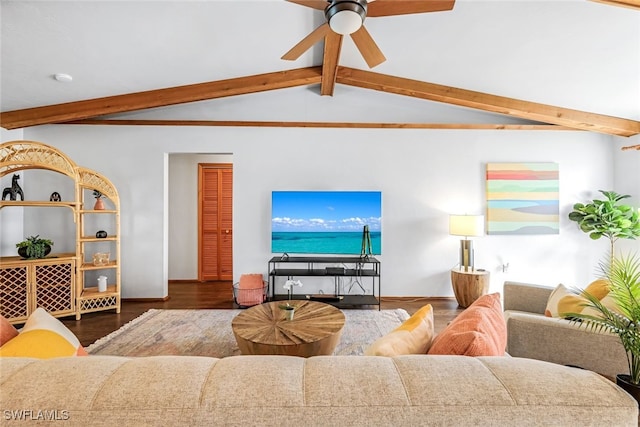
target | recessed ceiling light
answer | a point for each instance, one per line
(62, 77)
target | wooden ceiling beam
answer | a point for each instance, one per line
(331, 56)
(482, 101)
(78, 110)
(334, 125)
(631, 4)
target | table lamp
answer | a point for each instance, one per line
(466, 225)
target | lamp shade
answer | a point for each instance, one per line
(466, 225)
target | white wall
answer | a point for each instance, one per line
(183, 212)
(423, 174)
(627, 181)
(627, 168)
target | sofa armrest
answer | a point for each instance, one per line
(526, 297)
(566, 343)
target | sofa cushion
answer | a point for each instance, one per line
(414, 336)
(480, 330)
(43, 337)
(412, 390)
(7, 331)
(563, 301)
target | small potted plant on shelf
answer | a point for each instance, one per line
(623, 275)
(34, 247)
(99, 206)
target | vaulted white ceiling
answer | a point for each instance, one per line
(569, 53)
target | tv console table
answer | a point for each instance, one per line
(362, 272)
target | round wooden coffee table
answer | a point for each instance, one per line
(315, 329)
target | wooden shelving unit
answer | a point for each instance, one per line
(28, 284)
(59, 283)
(89, 299)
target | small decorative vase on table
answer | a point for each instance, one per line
(289, 311)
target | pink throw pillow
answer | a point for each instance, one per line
(250, 290)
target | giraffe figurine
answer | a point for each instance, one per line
(14, 190)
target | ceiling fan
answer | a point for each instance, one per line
(346, 17)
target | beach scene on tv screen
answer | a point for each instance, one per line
(325, 222)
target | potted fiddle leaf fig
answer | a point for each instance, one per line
(607, 218)
(34, 247)
(623, 320)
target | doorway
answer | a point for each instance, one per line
(215, 221)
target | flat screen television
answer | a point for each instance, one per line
(325, 222)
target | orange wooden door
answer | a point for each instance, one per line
(215, 221)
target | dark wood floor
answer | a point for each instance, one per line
(219, 295)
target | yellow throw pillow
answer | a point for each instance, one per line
(414, 336)
(43, 337)
(598, 288)
(562, 300)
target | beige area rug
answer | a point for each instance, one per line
(208, 333)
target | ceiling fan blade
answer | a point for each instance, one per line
(405, 7)
(367, 47)
(306, 43)
(315, 4)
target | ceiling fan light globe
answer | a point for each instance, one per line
(347, 16)
(345, 22)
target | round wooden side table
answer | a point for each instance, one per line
(470, 285)
(263, 329)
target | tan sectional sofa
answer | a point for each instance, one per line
(319, 391)
(532, 335)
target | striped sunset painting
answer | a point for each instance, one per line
(522, 198)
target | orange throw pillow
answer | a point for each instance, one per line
(7, 330)
(480, 330)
